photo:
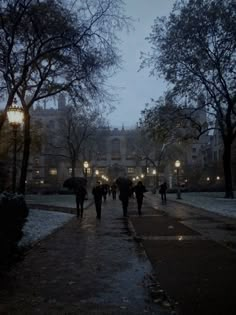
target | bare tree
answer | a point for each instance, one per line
(61, 49)
(71, 139)
(194, 48)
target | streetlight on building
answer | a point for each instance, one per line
(15, 117)
(86, 165)
(177, 165)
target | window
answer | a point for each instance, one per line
(194, 157)
(115, 147)
(36, 161)
(69, 170)
(53, 171)
(194, 150)
(130, 170)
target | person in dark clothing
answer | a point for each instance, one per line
(113, 191)
(124, 198)
(98, 194)
(104, 191)
(80, 193)
(139, 191)
(125, 194)
(162, 191)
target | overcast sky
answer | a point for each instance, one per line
(137, 88)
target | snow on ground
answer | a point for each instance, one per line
(41, 223)
(214, 202)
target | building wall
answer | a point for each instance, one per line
(116, 156)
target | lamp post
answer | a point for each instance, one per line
(86, 165)
(177, 165)
(15, 117)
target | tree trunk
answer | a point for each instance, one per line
(227, 169)
(26, 153)
(73, 164)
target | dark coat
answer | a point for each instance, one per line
(81, 193)
(97, 193)
(139, 190)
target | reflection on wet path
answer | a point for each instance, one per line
(119, 265)
(86, 266)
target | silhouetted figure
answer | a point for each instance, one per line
(98, 194)
(104, 191)
(124, 198)
(81, 194)
(113, 191)
(109, 189)
(139, 191)
(162, 191)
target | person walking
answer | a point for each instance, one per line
(113, 191)
(104, 191)
(81, 194)
(139, 191)
(98, 194)
(162, 191)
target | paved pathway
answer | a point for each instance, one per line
(92, 267)
(193, 254)
(211, 201)
(86, 267)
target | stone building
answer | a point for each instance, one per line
(115, 156)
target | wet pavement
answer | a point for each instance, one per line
(196, 269)
(85, 267)
(174, 259)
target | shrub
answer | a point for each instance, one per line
(13, 214)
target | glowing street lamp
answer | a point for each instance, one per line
(86, 165)
(15, 116)
(177, 165)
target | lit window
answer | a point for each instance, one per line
(53, 171)
(69, 170)
(37, 172)
(130, 170)
(89, 170)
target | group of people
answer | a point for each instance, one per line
(100, 192)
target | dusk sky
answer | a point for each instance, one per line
(134, 88)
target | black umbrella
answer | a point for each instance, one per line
(123, 182)
(74, 182)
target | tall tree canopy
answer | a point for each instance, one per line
(195, 50)
(49, 46)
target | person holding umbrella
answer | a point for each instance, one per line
(78, 185)
(80, 194)
(125, 188)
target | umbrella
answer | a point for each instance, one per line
(123, 182)
(74, 182)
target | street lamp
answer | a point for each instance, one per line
(177, 165)
(97, 172)
(86, 165)
(15, 117)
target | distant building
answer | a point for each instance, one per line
(115, 157)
